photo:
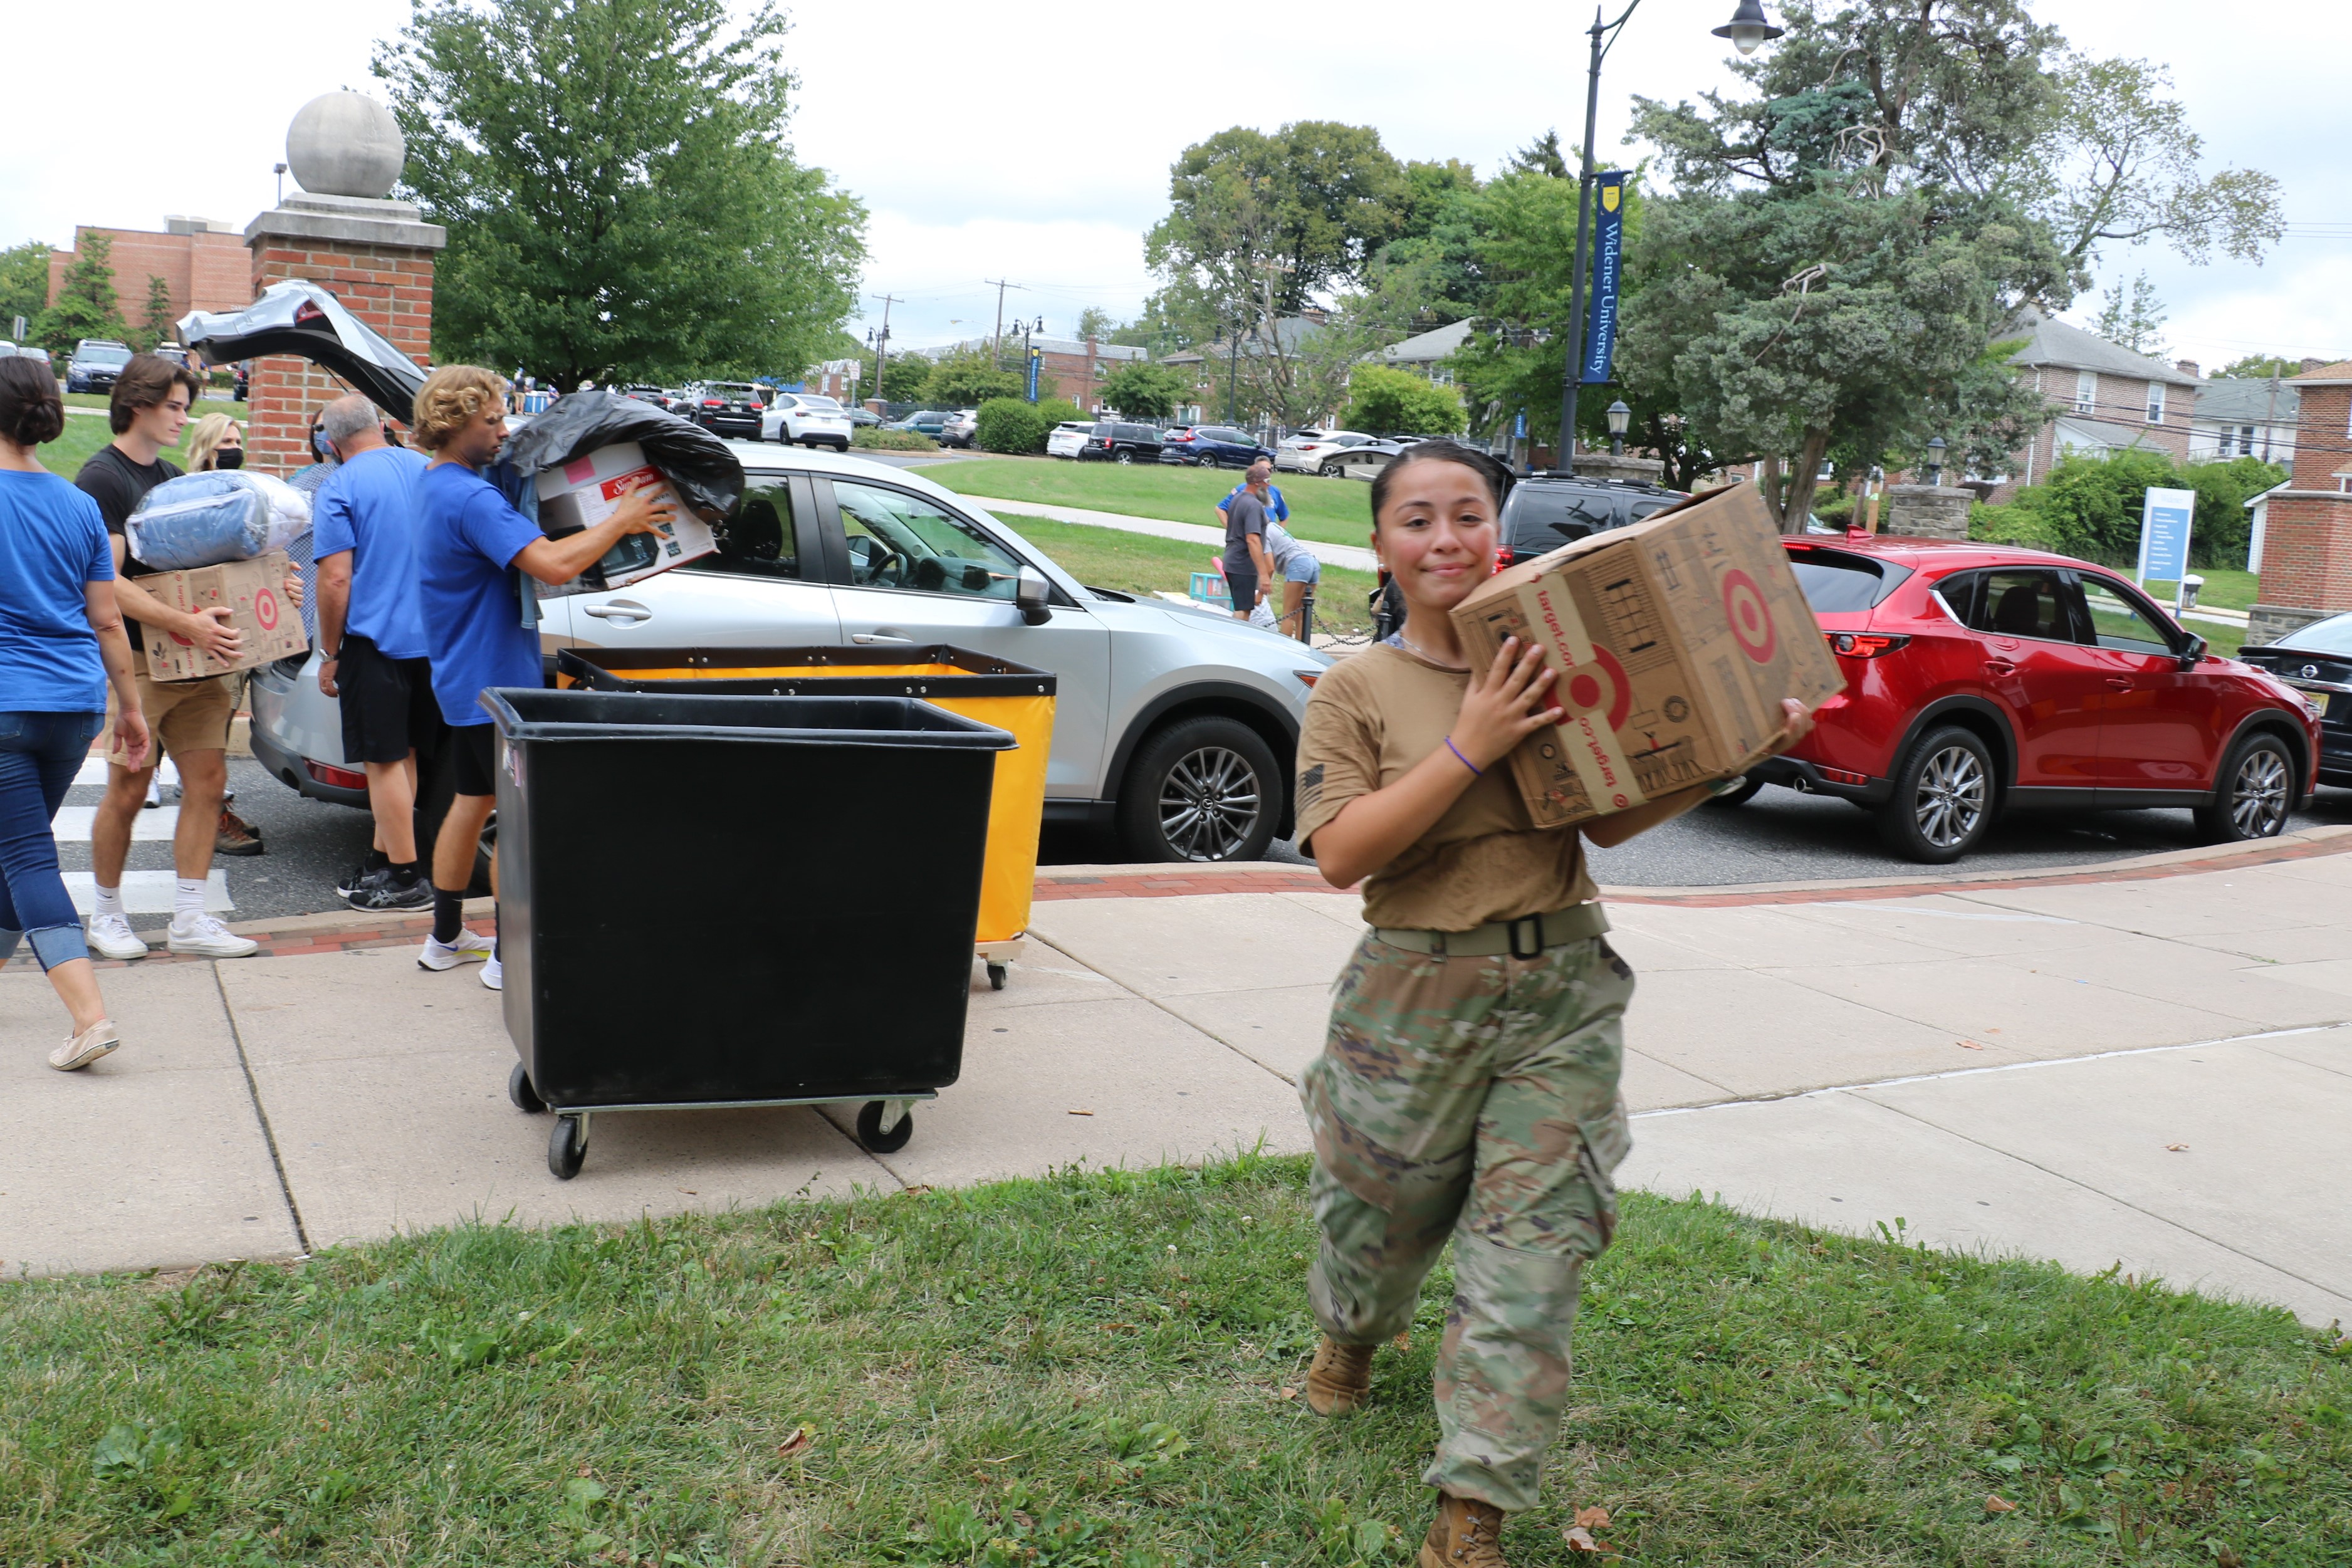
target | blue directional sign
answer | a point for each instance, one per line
(2164, 522)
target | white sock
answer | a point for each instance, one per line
(110, 901)
(187, 899)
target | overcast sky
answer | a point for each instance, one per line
(1031, 143)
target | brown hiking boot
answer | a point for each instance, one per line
(1340, 1381)
(234, 835)
(1467, 1533)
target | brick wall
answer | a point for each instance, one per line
(389, 288)
(2116, 400)
(204, 271)
(2323, 437)
(2307, 538)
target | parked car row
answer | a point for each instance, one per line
(1329, 452)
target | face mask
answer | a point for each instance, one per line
(324, 448)
(229, 458)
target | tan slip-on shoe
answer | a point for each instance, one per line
(81, 1050)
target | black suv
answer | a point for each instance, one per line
(729, 407)
(1117, 441)
(1542, 512)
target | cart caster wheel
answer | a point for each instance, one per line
(526, 1099)
(871, 1136)
(567, 1145)
(996, 977)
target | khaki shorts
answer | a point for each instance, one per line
(183, 716)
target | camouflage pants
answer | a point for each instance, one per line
(1474, 1098)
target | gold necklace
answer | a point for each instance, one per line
(1408, 642)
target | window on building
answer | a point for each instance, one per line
(2086, 391)
(2245, 442)
(2156, 403)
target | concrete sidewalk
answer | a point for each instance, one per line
(2148, 1065)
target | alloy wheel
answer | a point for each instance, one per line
(2257, 794)
(1207, 804)
(1951, 798)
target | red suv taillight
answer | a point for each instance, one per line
(713, 402)
(1864, 645)
(1503, 558)
(1106, 443)
(335, 777)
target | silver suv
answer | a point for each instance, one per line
(1175, 726)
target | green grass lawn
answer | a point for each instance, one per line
(1139, 563)
(2224, 590)
(1333, 512)
(1101, 1370)
(84, 436)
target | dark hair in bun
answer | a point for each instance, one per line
(1485, 465)
(31, 412)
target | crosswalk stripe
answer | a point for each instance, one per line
(73, 824)
(147, 892)
(92, 771)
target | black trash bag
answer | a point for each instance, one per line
(708, 476)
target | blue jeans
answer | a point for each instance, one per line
(39, 754)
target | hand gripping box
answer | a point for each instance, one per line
(1672, 642)
(255, 593)
(585, 492)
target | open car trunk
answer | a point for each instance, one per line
(304, 319)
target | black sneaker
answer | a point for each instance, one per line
(379, 892)
(349, 882)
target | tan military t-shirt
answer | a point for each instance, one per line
(1372, 718)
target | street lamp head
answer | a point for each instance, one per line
(1748, 28)
(1619, 417)
(1935, 460)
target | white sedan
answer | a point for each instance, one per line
(1066, 440)
(805, 419)
(1322, 451)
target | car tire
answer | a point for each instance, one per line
(1333, 470)
(1747, 791)
(2253, 794)
(1125, 455)
(1943, 799)
(1201, 789)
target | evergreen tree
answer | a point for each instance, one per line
(86, 305)
(155, 329)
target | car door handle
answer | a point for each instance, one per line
(869, 638)
(2000, 667)
(618, 610)
(2118, 683)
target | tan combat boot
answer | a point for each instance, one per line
(1339, 1383)
(1467, 1533)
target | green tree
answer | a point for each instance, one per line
(2257, 367)
(966, 378)
(1142, 390)
(155, 326)
(24, 283)
(1396, 402)
(908, 380)
(620, 198)
(86, 305)
(2130, 314)
(1095, 322)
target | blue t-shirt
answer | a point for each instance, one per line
(466, 536)
(52, 541)
(368, 506)
(1276, 506)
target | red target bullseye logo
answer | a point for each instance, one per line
(1751, 620)
(1602, 684)
(264, 609)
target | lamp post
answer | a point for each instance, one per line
(1935, 470)
(1747, 29)
(1619, 417)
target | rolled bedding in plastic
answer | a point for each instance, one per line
(204, 519)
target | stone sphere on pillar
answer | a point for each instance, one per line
(345, 144)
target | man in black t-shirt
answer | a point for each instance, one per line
(188, 719)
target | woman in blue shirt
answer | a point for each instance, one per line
(61, 642)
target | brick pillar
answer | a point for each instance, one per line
(373, 255)
(2307, 538)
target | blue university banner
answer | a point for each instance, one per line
(1608, 264)
(1029, 385)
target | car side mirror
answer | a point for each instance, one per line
(1031, 591)
(2194, 653)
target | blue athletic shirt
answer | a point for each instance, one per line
(52, 541)
(368, 506)
(467, 538)
(1276, 506)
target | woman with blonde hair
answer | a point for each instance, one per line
(218, 441)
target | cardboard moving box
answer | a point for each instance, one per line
(1672, 643)
(586, 490)
(255, 593)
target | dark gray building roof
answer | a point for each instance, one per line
(2051, 342)
(1425, 348)
(2248, 401)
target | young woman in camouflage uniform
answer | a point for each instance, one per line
(1468, 1084)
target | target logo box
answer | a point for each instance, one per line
(1672, 643)
(255, 593)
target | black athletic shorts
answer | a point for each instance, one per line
(388, 706)
(1242, 583)
(474, 751)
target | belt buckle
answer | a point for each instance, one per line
(1535, 928)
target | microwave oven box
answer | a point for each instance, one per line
(255, 593)
(585, 491)
(1672, 643)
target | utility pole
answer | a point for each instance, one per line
(882, 344)
(996, 337)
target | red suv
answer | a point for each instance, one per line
(1981, 677)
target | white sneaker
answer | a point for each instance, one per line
(111, 934)
(85, 1047)
(154, 794)
(438, 955)
(494, 975)
(202, 936)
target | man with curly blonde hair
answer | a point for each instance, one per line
(473, 553)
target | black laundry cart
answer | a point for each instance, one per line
(838, 839)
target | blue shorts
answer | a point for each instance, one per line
(1302, 568)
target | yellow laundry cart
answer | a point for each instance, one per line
(1011, 697)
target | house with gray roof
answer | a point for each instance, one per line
(1429, 355)
(2103, 398)
(2245, 418)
